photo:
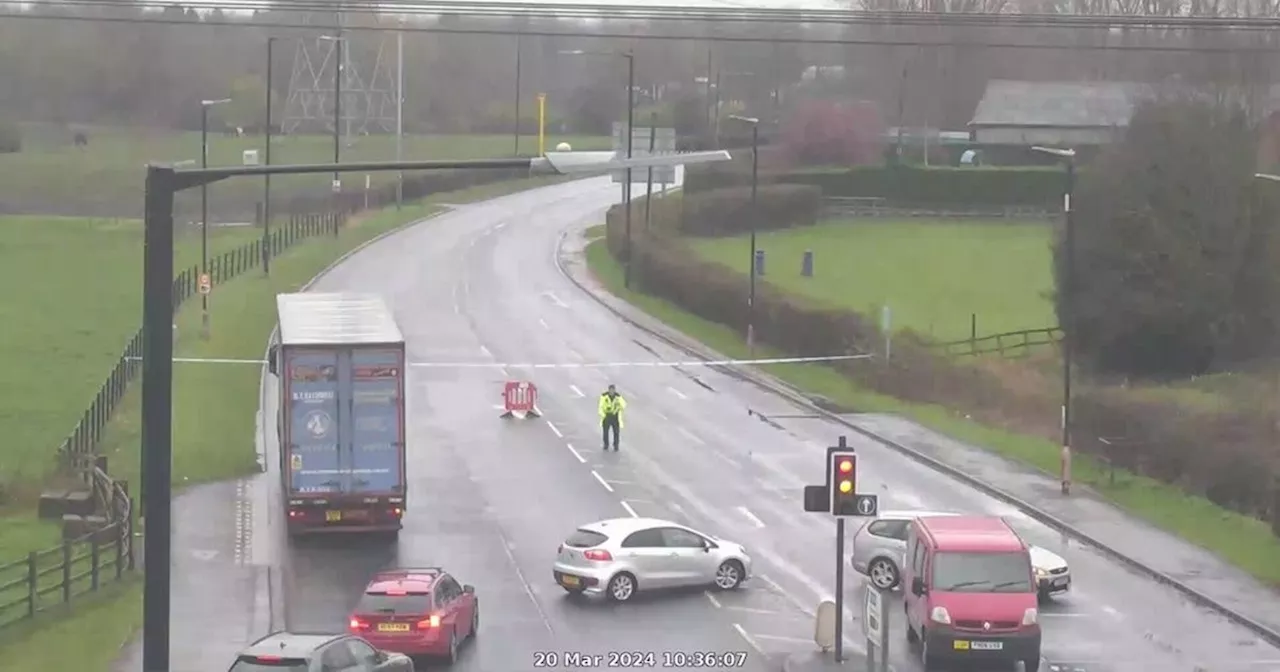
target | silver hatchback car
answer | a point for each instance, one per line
(880, 546)
(617, 558)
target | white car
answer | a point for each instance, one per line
(879, 548)
(618, 558)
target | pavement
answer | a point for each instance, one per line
(501, 282)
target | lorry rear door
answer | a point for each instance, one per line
(311, 433)
(377, 422)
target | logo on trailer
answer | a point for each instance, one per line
(318, 424)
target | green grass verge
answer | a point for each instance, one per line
(214, 412)
(932, 274)
(1241, 540)
(107, 177)
(86, 637)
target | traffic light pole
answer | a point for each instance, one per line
(839, 649)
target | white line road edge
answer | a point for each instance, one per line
(555, 430)
(602, 481)
(630, 510)
(575, 453)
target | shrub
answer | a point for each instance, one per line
(830, 133)
(730, 211)
(10, 138)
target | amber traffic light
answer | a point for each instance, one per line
(844, 485)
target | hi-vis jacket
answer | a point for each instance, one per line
(612, 406)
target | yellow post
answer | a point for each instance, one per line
(542, 124)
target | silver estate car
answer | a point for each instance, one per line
(617, 558)
(880, 546)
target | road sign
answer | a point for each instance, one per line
(337, 186)
(205, 283)
(866, 505)
(664, 143)
(249, 157)
(875, 625)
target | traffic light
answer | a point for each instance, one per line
(843, 483)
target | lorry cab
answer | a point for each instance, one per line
(971, 592)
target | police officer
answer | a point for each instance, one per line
(611, 406)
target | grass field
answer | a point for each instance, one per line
(1244, 541)
(214, 410)
(933, 275)
(53, 176)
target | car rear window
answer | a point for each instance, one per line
(585, 539)
(382, 603)
(256, 664)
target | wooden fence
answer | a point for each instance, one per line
(1009, 344)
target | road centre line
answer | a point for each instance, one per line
(602, 481)
(691, 436)
(630, 510)
(544, 323)
(751, 516)
(575, 453)
(676, 392)
(554, 429)
(576, 390)
(714, 602)
(783, 638)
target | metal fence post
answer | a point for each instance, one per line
(66, 572)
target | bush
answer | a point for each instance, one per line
(730, 211)
(829, 133)
(10, 138)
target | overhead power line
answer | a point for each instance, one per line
(774, 17)
(436, 29)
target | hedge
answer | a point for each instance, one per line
(729, 211)
(1223, 453)
(903, 185)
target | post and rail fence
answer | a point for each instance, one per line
(84, 563)
(1008, 344)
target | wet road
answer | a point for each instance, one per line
(491, 499)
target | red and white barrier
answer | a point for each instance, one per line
(520, 400)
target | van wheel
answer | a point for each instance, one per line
(1031, 665)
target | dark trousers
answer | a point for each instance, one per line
(610, 422)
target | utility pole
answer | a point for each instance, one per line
(515, 132)
(266, 159)
(399, 115)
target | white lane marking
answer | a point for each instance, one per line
(528, 588)
(630, 510)
(662, 416)
(575, 453)
(676, 392)
(753, 610)
(782, 638)
(602, 481)
(543, 323)
(576, 390)
(485, 351)
(751, 516)
(555, 299)
(1112, 611)
(500, 226)
(714, 602)
(555, 429)
(750, 642)
(457, 307)
(691, 436)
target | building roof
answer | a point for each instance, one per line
(1072, 104)
(336, 318)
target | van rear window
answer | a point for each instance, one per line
(982, 572)
(585, 539)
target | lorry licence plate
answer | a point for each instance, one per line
(987, 646)
(332, 516)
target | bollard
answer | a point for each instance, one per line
(759, 262)
(806, 264)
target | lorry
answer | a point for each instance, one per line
(340, 360)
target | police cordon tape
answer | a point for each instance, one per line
(562, 365)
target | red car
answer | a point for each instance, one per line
(417, 612)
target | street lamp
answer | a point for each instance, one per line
(204, 209)
(1068, 157)
(631, 107)
(266, 159)
(751, 265)
(337, 105)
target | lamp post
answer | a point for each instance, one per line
(515, 132)
(266, 160)
(337, 106)
(626, 187)
(751, 265)
(1067, 321)
(204, 209)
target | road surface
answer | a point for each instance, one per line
(491, 499)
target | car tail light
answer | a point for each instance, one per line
(397, 512)
(433, 622)
(295, 514)
(357, 624)
(597, 555)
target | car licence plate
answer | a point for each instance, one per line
(986, 646)
(393, 627)
(569, 580)
(332, 516)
